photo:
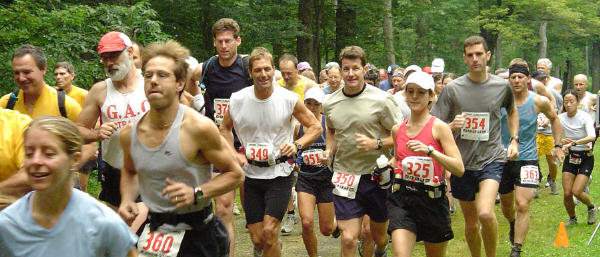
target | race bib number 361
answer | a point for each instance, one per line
(476, 127)
(152, 243)
(345, 185)
(530, 175)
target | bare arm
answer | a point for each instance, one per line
(544, 107)
(311, 126)
(541, 90)
(513, 128)
(225, 129)
(451, 159)
(90, 113)
(129, 178)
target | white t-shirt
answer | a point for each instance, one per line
(401, 101)
(554, 81)
(579, 126)
(85, 228)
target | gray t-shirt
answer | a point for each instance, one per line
(479, 140)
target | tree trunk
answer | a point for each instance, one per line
(388, 34)
(345, 25)
(304, 40)
(319, 6)
(498, 53)
(206, 23)
(595, 66)
(543, 40)
(420, 48)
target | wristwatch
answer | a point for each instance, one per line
(198, 194)
(430, 150)
(558, 145)
(298, 146)
(379, 144)
(516, 138)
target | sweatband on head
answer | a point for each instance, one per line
(518, 69)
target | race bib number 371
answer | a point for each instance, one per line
(345, 185)
(153, 243)
(476, 127)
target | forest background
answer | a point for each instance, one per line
(391, 31)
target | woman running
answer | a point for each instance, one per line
(424, 146)
(55, 219)
(578, 128)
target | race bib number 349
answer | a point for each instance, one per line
(345, 185)
(262, 152)
(476, 127)
(152, 243)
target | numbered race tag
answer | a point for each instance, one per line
(262, 152)
(152, 243)
(345, 185)
(311, 157)
(574, 160)
(220, 107)
(418, 169)
(476, 127)
(530, 175)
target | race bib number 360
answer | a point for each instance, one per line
(220, 107)
(345, 185)
(418, 169)
(476, 127)
(152, 243)
(530, 175)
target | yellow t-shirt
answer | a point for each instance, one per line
(298, 89)
(78, 94)
(12, 126)
(46, 104)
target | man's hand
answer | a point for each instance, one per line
(128, 211)
(325, 158)
(288, 149)
(179, 193)
(543, 122)
(106, 130)
(512, 152)
(458, 122)
(558, 153)
(364, 143)
(242, 160)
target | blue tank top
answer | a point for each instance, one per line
(313, 170)
(527, 130)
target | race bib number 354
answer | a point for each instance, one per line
(476, 127)
(152, 243)
(345, 185)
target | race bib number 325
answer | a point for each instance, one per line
(476, 127)
(153, 243)
(418, 169)
(345, 185)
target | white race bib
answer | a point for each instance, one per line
(345, 185)
(152, 243)
(311, 157)
(418, 169)
(476, 127)
(220, 107)
(262, 152)
(530, 175)
(574, 160)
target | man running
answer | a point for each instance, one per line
(546, 65)
(472, 105)
(167, 156)
(520, 177)
(359, 119)
(262, 116)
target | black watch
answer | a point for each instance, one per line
(558, 145)
(516, 138)
(198, 194)
(379, 144)
(430, 150)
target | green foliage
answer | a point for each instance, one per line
(69, 32)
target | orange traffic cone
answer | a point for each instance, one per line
(561, 237)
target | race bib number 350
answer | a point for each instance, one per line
(152, 243)
(220, 107)
(345, 185)
(418, 169)
(476, 127)
(530, 175)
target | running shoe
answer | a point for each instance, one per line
(515, 252)
(570, 222)
(288, 224)
(548, 180)
(553, 187)
(236, 210)
(336, 233)
(591, 215)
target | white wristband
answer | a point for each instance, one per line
(199, 103)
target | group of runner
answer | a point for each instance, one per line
(376, 159)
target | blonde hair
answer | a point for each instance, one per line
(61, 127)
(260, 53)
(170, 49)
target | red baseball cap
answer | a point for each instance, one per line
(113, 41)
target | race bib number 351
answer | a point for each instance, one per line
(345, 185)
(530, 175)
(152, 243)
(311, 157)
(476, 127)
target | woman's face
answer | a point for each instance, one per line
(46, 162)
(570, 103)
(417, 98)
(313, 105)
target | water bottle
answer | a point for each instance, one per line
(382, 172)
